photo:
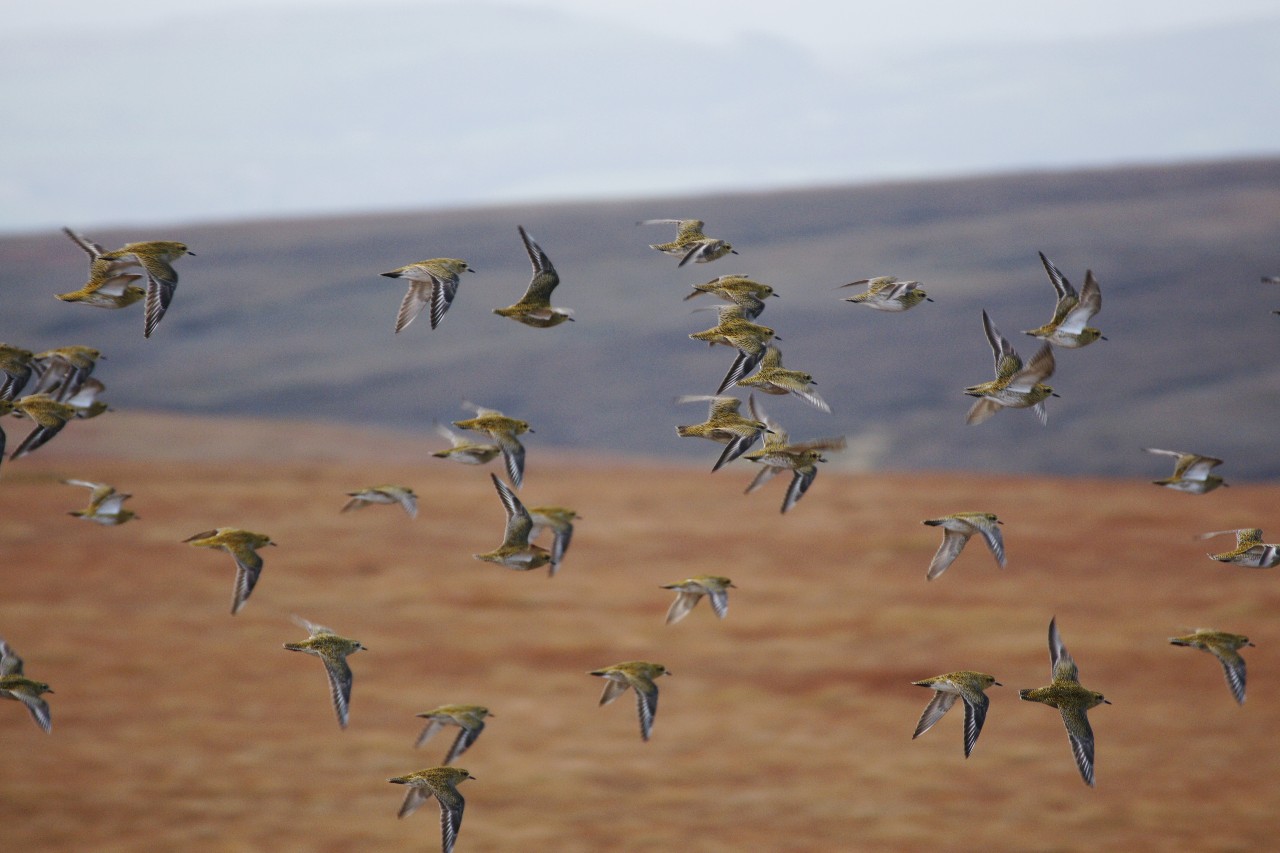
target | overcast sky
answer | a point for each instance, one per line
(138, 111)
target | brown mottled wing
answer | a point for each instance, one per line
(1007, 361)
(544, 278)
(1080, 733)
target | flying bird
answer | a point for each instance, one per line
(690, 243)
(106, 505)
(1071, 699)
(503, 430)
(956, 530)
(1069, 326)
(748, 338)
(780, 454)
(966, 685)
(1190, 472)
(50, 417)
(887, 293)
(725, 425)
(156, 258)
(1225, 648)
(1016, 386)
(441, 783)
(402, 495)
(559, 520)
(463, 449)
(243, 547)
(772, 378)
(515, 552)
(433, 281)
(534, 308)
(14, 685)
(1250, 551)
(468, 718)
(333, 651)
(637, 674)
(691, 590)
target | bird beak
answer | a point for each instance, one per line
(996, 684)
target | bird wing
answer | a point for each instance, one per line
(442, 292)
(463, 741)
(431, 728)
(646, 704)
(743, 364)
(408, 500)
(545, 278)
(413, 798)
(1061, 664)
(248, 570)
(10, 663)
(519, 524)
(1233, 667)
(451, 805)
(1007, 361)
(1080, 733)
(680, 608)
(801, 480)
(1193, 467)
(995, 540)
(719, 599)
(512, 455)
(1090, 303)
(975, 714)
(612, 690)
(162, 281)
(560, 543)
(1061, 286)
(415, 299)
(737, 446)
(38, 707)
(340, 679)
(953, 543)
(38, 437)
(111, 503)
(311, 627)
(983, 409)
(938, 706)
(764, 475)
(1036, 371)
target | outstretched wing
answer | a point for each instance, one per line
(938, 706)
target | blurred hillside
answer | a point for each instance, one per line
(291, 319)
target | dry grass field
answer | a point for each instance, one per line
(786, 726)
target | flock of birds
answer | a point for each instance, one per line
(63, 390)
